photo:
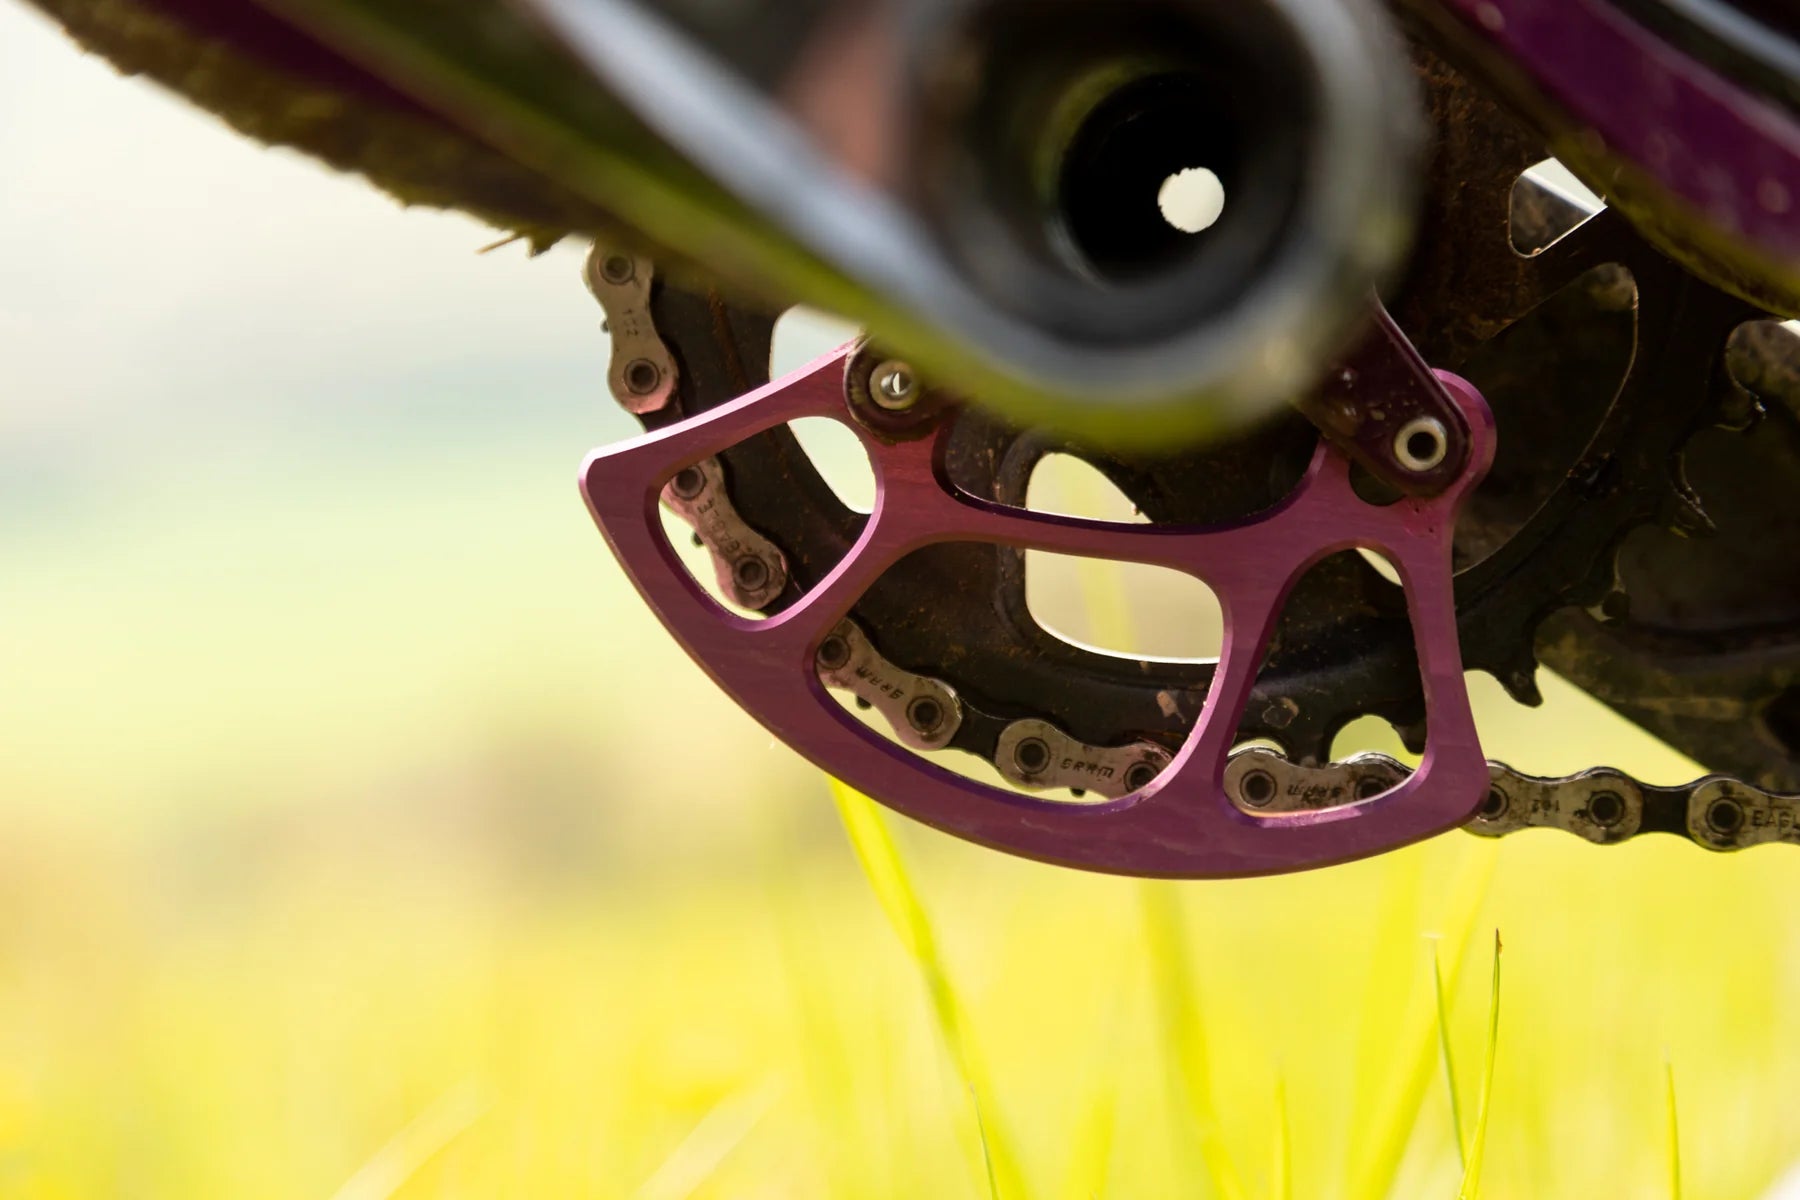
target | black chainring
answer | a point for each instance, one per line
(1602, 359)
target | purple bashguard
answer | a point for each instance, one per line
(1182, 825)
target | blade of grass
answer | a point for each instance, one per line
(1471, 1182)
(1406, 1074)
(1184, 1031)
(987, 1145)
(423, 1139)
(886, 872)
(705, 1148)
(1674, 1130)
(1282, 1173)
(1443, 1017)
(1090, 1159)
(830, 1083)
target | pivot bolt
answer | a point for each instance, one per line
(894, 386)
(1422, 445)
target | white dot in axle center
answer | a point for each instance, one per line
(1192, 200)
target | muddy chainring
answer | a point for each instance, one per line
(1632, 536)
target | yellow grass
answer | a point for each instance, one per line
(367, 839)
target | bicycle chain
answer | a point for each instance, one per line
(1600, 805)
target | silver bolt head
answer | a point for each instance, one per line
(895, 386)
(1422, 445)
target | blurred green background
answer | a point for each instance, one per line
(363, 836)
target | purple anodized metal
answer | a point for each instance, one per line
(1182, 825)
(1730, 154)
